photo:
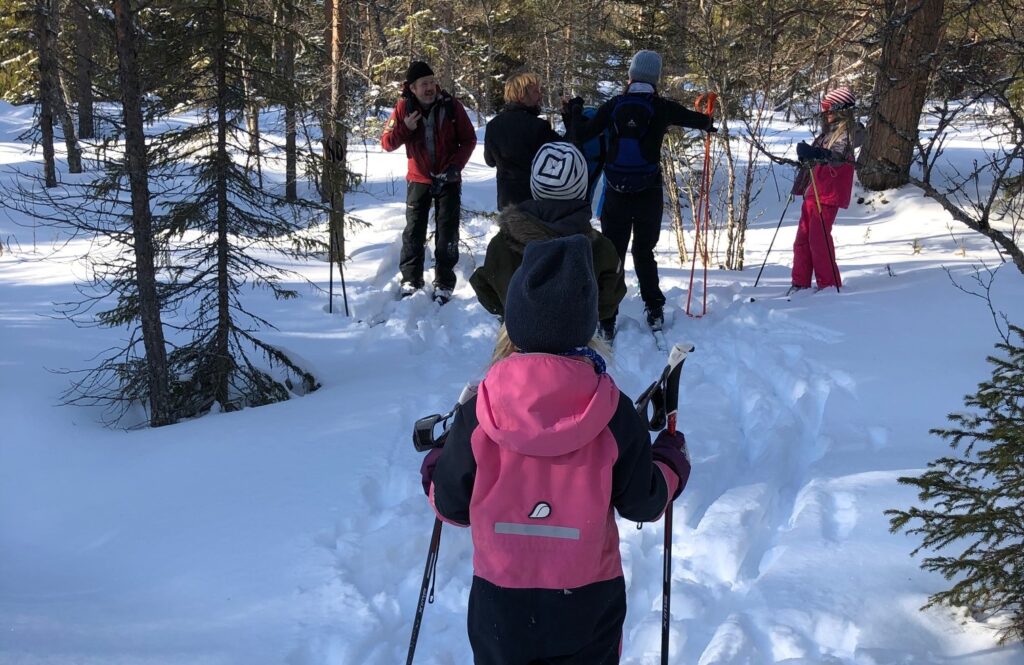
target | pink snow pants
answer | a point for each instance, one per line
(813, 248)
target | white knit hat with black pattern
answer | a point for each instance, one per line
(558, 172)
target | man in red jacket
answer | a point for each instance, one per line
(438, 139)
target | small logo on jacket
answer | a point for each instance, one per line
(540, 511)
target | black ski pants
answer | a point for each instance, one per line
(447, 204)
(638, 214)
(547, 626)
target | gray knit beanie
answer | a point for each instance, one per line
(551, 304)
(645, 66)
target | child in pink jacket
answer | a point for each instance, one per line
(538, 463)
(831, 158)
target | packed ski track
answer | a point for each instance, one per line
(297, 533)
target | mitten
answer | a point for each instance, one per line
(805, 152)
(670, 449)
(427, 469)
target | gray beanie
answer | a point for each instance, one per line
(559, 171)
(645, 66)
(551, 304)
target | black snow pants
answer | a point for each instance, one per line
(447, 204)
(638, 214)
(547, 626)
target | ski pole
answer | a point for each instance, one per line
(706, 105)
(774, 235)
(664, 394)
(824, 231)
(330, 268)
(341, 265)
(429, 575)
(423, 439)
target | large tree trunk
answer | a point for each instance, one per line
(338, 146)
(912, 33)
(47, 66)
(83, 71)
(142, 227)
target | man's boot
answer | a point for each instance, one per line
(606, 329)
(655, 317)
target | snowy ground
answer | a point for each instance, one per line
(296, 533)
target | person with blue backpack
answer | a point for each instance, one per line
(636, 122)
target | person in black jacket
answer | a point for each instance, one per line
(513, 137)
(636, 122)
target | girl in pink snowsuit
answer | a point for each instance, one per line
(831, 158)
(538, 463)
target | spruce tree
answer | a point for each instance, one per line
(975, 499)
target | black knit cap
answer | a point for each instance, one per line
(417, 70)
(551, 304)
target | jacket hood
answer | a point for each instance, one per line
(544, 220)
(544, 405)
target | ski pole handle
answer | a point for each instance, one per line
(706, 103)
(676, 357)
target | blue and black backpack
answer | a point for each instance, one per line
(626, 170)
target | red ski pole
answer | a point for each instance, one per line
(702, 214)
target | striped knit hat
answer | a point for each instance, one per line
(838, 99)
(558, 172)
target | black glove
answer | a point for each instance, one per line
(427, 469)
(574, 104)
(711, 129)
(670, 449)
(810, 153)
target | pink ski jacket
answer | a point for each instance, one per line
(835, 179)
(538, 463)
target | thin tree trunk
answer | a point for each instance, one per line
(160, 410)
(668, 161)
(290, 132)
(47, 66)
(61, 99)
(252, 119)
(83, 71)
(912, 34)
(339, 136)
(326, 124)
(222, 363)
(62, 107)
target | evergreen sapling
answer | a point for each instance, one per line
(975, 499)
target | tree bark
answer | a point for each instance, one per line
(142, 226)
(252, 117)
(222, 363)
(338, 147)
(83, 71)
(290, 125)
(47, 65)
(912, 33)
(61, 100)
(668, 161)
